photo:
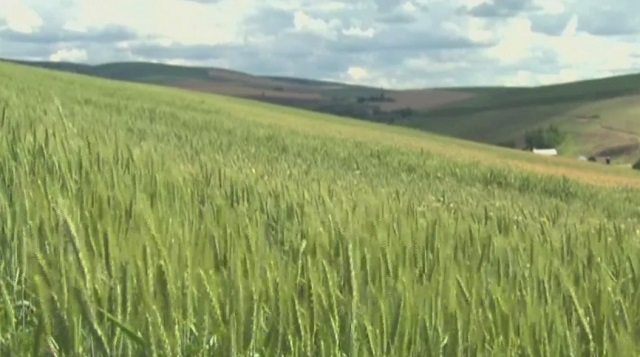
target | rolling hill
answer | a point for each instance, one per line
(600, 116)
(145, 220)
(303, 93)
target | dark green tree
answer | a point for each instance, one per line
(548, 137)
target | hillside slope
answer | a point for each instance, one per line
(599, 115)
(323, 96)
(142, 220)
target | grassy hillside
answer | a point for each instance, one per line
(265, 88)
(139, 220)
(599, 116)
(322, 96)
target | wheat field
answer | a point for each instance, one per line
(139, 221)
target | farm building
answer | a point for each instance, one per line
(545, 152)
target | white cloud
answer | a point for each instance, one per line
(425, 65)
(329, 6)
(551, 7)
(304, 23)
(393, 42)
(75, 26)
(571, 28)
(19, 17)
(579, 55)
(477, 32)
(186, 22)
(69, 55)
(471, 3)
(358, 32)
(515, 42)
(408, 7)
(357, 73)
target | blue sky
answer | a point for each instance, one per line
(391, 43)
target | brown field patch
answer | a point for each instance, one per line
(257, 82)
(300, 102)
(238, 90)
(619, 150)
(601, 141)
(226, 75)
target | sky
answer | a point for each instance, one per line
(387, 43)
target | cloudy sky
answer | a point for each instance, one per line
(391, 43)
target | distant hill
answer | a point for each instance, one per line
(600, 116)
(305, 93)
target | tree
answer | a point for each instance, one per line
(636, 165)
(548, 137)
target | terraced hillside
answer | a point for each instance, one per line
(141, 220)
